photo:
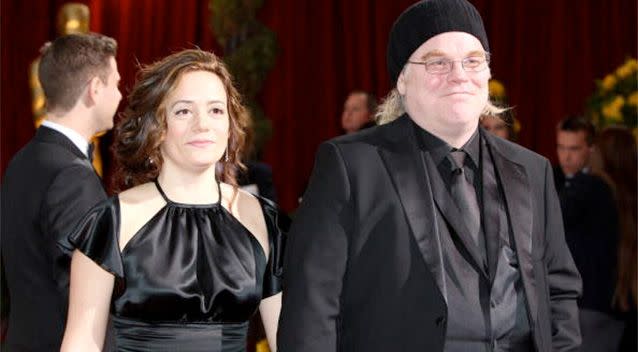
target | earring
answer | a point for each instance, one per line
(226, 158)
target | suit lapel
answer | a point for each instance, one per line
(493, 203)
(516, 193)
(405, 168)
(452, 214)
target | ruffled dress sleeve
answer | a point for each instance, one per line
(277, 224)
(96, 235)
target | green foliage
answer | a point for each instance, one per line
(250, 50)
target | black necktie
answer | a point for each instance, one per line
(89, 152)
(465, 196)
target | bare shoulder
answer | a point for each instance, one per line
(139, 194)
(137, 207)
(247, 209)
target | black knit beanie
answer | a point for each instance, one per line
(426, 19)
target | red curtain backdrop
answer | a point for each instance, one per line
(546, 52)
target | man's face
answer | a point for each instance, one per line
(355, 113)
(109, 99)
(573, 151)
(446, 102)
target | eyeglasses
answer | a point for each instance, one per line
(441, 66)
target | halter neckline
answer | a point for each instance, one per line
(169, 201)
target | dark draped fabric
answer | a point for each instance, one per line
(547, 53)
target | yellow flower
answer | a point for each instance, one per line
(496, 88)
(625, 70)
(262, 346)
(616, 97)
(517, 126)
(612, 110)
(609, 82)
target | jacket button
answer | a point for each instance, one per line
(440, 321)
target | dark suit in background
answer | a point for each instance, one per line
(591, 231)
(259, 175)
(366, 265)
(47, 187)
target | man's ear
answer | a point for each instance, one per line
(93, 90)
(401, 81)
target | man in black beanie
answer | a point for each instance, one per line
(427, 233)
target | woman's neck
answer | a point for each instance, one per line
(189, 187)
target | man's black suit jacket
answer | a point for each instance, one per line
(47, 187)
(361, 269)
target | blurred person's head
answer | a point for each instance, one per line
(358, 110)
(78, 71)
(503, 125)
(574, 142)
(496, 126)
(184, 113)
(615, 155)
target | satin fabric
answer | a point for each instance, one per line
(189, 279)
(138, 336)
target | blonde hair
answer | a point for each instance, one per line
(392, 107)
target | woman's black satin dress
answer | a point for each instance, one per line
(189, 279)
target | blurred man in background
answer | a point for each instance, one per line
(590, 216)
(358, 111)
(50, 183)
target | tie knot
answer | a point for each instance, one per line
(458, 159)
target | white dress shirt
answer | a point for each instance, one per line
(71, 134)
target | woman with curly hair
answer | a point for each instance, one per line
(181, 259)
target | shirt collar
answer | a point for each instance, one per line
(439, 149)
(71, 134)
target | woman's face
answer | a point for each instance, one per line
(495, 125)
(197, 122)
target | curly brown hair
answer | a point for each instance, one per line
(140, 132)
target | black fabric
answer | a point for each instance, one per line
(509, 315)
(140, 336)
(89, 151)
(591, 231)
(47, 187)
(464, 194)
(188, 264)
(363, 264)
(259, 174)
(485, 312)
(426, 19)
(439, 151)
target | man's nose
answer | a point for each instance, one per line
(457, 72)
